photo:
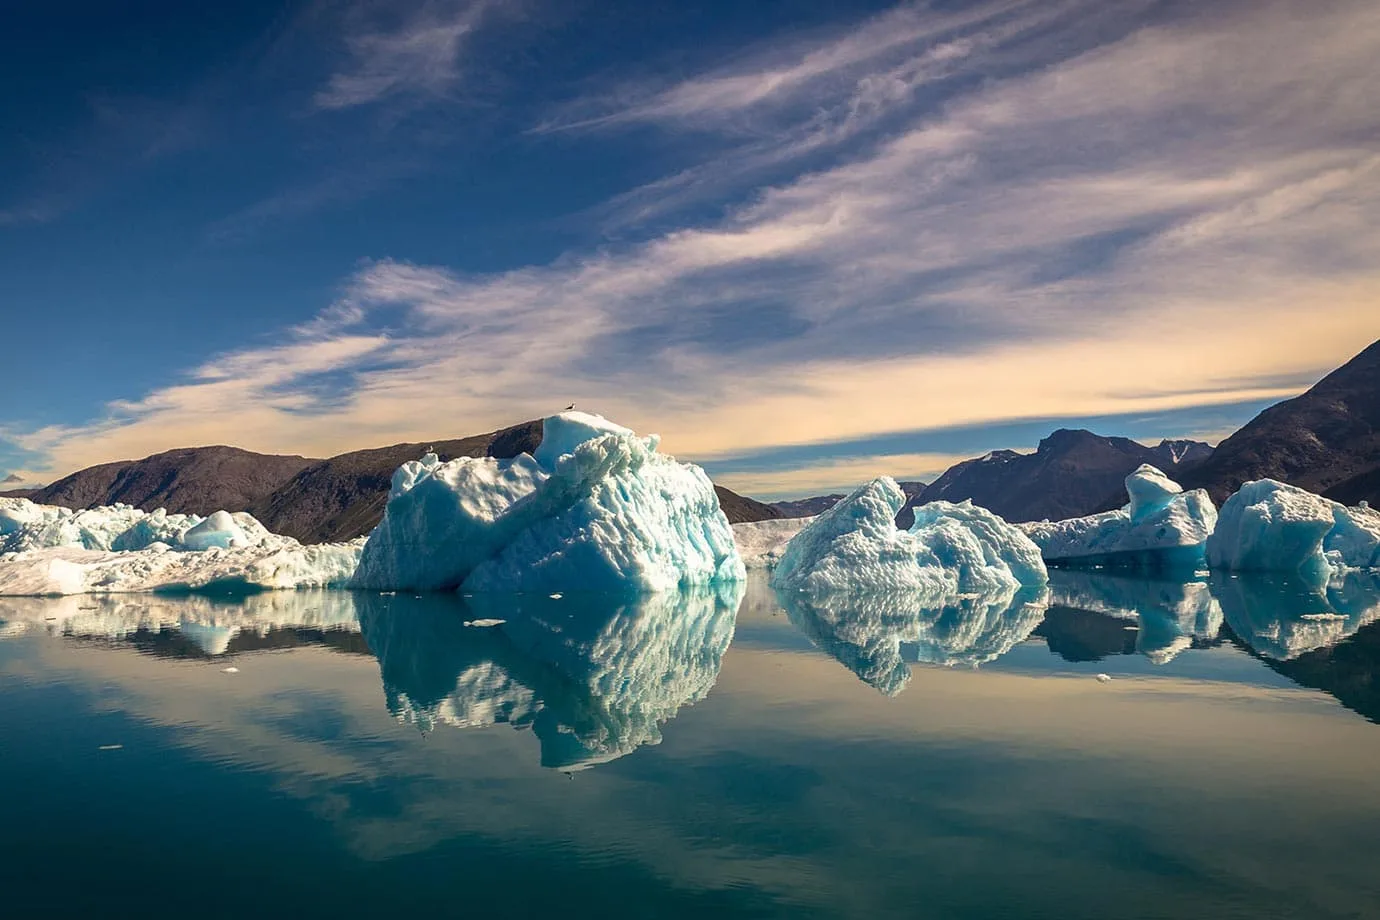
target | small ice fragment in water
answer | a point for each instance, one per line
(230, 670)
(1103, 678)
(483, 623)
(110, 747)
(555, 597)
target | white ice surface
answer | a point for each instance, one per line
(597, 508)
(761, 543)
(1268, 526)
(25, 525)
(1160, 520)
(278, 563)
(856, 546)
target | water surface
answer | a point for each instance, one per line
(370, 755)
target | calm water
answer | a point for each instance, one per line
(863, 757)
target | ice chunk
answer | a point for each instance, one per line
(761, 543)
(593, 675)
(562, 434)
(871, 633)
(1150, 491)
(279, 563)
(1268, 526)
(1162, 527)
(220, 531)
(597, 508)
(855, 546)
(26, 526)
(1354, 540)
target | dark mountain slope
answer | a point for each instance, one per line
(740, 509)
(1326, 439)
(1069, 475)
(190, 480)
(343, 497)
(807, 507)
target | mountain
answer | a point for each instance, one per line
(1073, 472)
(316, 501)
(1327, 440)
(740, 509)
(192, 480)
(807, 507)
(343, 497)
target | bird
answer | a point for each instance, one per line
(569, 407)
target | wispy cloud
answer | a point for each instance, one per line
(418, 56)
(1164, 219)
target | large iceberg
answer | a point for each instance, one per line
(951, 548)
(1161, 527)
(594, 676)
(1268, 526)
(595, 508)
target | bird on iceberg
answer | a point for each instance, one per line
(568, 408)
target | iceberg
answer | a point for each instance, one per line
(595, 508)
(1268, 526)
(276, 564)
(873, 634)
(1162, 527)
(951, 548)
(25, 526)
(594, 676)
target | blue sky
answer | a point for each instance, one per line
(806, 242)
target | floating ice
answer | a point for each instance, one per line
(1161, 527)
(26, 526)
(856, 546)
(1268, 526)
(871, 634)
(219, 531)
(593, 675)
(278, 563)
(596, 508)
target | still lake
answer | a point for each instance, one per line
(1112, 747)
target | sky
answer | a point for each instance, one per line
(807, 242)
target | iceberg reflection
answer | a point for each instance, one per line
(873, 634)
(1282, 618)
(593, 675)
(1171, 615)
(207, 626)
